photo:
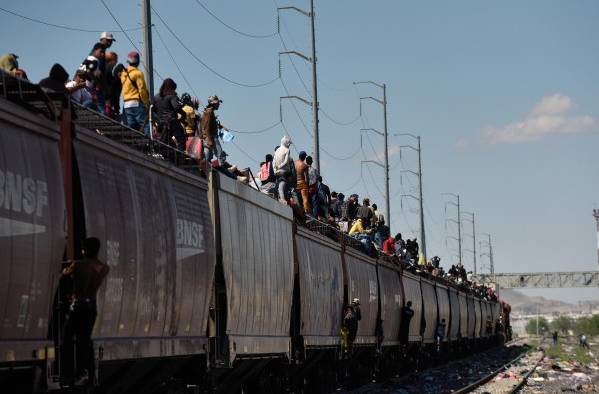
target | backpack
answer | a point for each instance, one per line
(321, 196)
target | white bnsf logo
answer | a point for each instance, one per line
(190, 238)
(22, 194)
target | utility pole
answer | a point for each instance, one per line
(596, 216)
(385, 166)
(387, 197)
(490, 254)
(471, 220)
(312, 59)
(458, 222)
(146, 19)
(314, 91)
(420, 198)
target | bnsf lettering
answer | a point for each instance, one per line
(190, 234)
(22, 194)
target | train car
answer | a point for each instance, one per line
(471, 317)
(161, 260)
(391, 301)
(477, 317)
(454, 321)
(412, 292)
(429, 301)
(32, 230)
(255, 234)
(361, 283)
(320, 290)
(464, 320)
(444, 308)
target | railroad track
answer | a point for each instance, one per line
(458, 376)
(473, 386)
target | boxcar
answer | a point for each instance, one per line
(443, 305)
(257, 261)
(321, 288)
(32, 235)
(391, 301)
(429, 301)
(454, 323)
(362, 284)
(413, 293)
(156, 236)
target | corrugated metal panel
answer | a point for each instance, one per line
(443, 305)
(391, 302)
(471, 316)
(463, 314)
(429, 299)
(257, 245)
(154, 225)
(496, 311)
(478, 314)
(454, 302)
(32, 233)
(486, 316)
(321, 289)
(413, 292)
(362, 283)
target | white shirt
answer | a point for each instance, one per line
(82, 95)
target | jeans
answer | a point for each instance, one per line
(135, 118)
(282, 187)
(378, 239)
(77, 343)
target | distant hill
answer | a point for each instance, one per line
(525, 305)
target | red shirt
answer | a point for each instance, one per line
(389, 246)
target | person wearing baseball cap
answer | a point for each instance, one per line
(106, 39)
(135, 95)
(210, 126)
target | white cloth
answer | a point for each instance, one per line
(131, 104)
(81, 96)
(281, 161)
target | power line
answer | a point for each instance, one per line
(64, 27)
(245, 153)
(299, 76)
(231, 27)
(347, 189)
(127, 35)
(341, 158)
(338, 122)
(175, 62)
(295, 108)
(206, 66)
(257, 131)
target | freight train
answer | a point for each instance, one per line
(213, 286)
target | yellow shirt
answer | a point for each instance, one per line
(357, 227)
(190, 118)
(130, 93)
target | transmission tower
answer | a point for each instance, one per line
(596, 216)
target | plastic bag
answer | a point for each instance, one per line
(194, 147)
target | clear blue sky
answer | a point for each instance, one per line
(504, 94)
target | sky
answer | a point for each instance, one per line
(505, 97)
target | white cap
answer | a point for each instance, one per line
(107, 36)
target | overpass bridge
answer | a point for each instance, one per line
(541, 279)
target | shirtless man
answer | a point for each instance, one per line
(88, 275)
